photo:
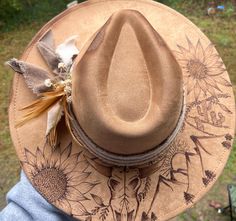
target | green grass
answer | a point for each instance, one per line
(221, 30)
(12, 45)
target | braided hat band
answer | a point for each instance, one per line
(140, 159)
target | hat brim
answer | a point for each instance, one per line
(72, 180)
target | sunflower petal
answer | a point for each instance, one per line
(30, 157)
(211, 90)
(224, 108)
(55, 159)
(197, 91)
(190, 46)
(203, 85)
(66, 152)
(75, 195)
(209, 50)
(30, 169)
(74, 181)
(86, 187)
(70, 163)
(223, 81)
(190, 85)
(212, 60)
(187, 54)
(80, 210)
(212, 83)
(200, 52)
(47, 152)
(80, 166)
(179, 55)
(64, 203)
(40, 160)
(215, 71)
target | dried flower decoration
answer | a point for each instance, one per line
(53, 91)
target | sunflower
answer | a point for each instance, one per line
(202, 69)
(59, 176)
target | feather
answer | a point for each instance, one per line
(34, 76)
(36, 108)
(48, 40)
(67, 50)
(46, 48)
(54, 115)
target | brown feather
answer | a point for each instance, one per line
(38, 107)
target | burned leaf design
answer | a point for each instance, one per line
(209, 177)
(79, 210)
(101, 209)
(188, 197)
(145, 217)
(202, 69)
(226, 144)
(104, 214)
(224, 108)
(86, 187)
(98, 200)
(228, 137)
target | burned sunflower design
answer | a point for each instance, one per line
(60, 176)
(202, 69)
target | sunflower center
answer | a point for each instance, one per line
(52, 183)
(197, 69)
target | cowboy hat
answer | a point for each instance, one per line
(121, 110)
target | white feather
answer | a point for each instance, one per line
(54, 115)
(67, 50)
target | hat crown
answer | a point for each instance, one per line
(127, 86)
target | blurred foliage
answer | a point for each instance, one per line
(193, 7)
(17, 12)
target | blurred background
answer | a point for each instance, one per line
(21, 19)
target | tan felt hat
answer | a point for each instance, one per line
(121, 110)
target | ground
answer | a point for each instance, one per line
(220, 29)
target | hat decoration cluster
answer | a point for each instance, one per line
(53, 89)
